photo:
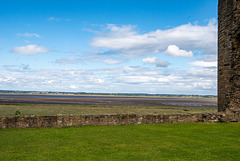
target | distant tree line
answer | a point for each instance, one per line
(107, 94)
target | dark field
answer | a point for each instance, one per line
(69, 104)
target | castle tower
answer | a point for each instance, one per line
(229, 55)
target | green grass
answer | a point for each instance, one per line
(53, 109)
(133, 142)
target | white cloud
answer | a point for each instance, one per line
(111, 61)
(29, 35)
(95, 80)
(30, 49)
(175, 51)
(153, 60)
(135, 79)
(73, 86)
(149, 60)
(58, 19)
(126, 30)
(69, 60)
(128, 42)
(51, 19)
(204, 64)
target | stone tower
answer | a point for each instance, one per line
(229, 55)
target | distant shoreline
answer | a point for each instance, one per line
(107, 94)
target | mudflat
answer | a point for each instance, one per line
(94, 105)
(106, 100)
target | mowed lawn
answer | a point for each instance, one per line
(53, 109)
(193, 141)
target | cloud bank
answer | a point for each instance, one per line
(178, 41)
(120, 79)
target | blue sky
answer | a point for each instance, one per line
(127, 46)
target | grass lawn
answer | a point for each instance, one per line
(133, 142)
(53, 109)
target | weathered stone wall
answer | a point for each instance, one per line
(35, 121)
(229, 55)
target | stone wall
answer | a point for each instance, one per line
(229, 55)
(35, 121)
